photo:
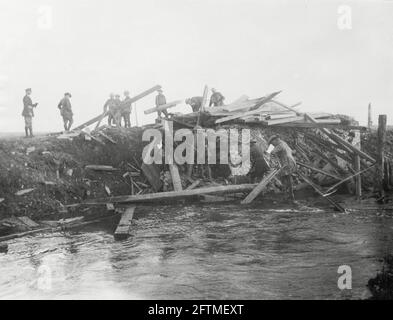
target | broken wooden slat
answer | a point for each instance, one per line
(318, 170)
(107, 137)
(100, 168)
(163, 107)
(349, 178)
(238, 115)
(23, 192)
(316, 188)
(28, 222)
(152, 174)
(289, 108)
(124, 227)
(281, 121)
(193, 185)
(172, 195)
(341, 141)
(259, 188)
(132, 100)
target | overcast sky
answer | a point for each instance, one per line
(253, 47)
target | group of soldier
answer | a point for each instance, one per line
(119, 110)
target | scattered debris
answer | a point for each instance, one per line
(23, 192)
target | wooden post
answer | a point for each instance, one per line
(370, 121)
(124, 227)
(381, 154)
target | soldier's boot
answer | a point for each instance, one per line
(31, 131)
(27, 132)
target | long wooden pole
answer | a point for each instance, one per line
(382, 119)
(134, 99)
(171, 195)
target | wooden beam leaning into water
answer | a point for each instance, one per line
(316, 188)
(328, 174)
(259, 188)
(172, 195)
(124, 227)
(134, 99)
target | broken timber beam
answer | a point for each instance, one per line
(124, 227)
(316, 188)
(172, 195)
(341, 141)
(349, 178)
(319, 171)
(163, 107)
(132, 100)
(176, 180)
(259, 188)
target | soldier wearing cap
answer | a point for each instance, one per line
(28, 112)
(126, 109)
(217, 99)
(160, 101)
(66, 111)
(287, 162)
(195, 103)
(109, 107)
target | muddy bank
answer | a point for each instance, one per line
(49, 173)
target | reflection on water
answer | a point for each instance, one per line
(208, 252)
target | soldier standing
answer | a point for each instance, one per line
(108, 107)
(217, 99)
(28, 112)
(126, 109)
(287, 162)
(66, 111)
(160, 101)
(117, 111)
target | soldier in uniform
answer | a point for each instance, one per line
(109, 106)
(117, 111)
(160, 101)
(66, 111)
(28, 112)
(195, 103)
(287, 162)
(217, 99)
(126, 109)
(259, 165)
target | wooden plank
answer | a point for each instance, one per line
(107, 137)
(100, 168)
(152, 174)
(259, 188)
(134, 99)
(124, 227)
(172, 195)
(174, 170)
(193, 185)
(316, 188)
(238, 115)
(28, 222)
(163, 107)
(289, 108)
(281, 121)
(358, 179)
(318, 170)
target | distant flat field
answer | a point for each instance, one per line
(17, 134)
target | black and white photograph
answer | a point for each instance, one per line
(196, 155)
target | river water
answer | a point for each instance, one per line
(212, 251)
